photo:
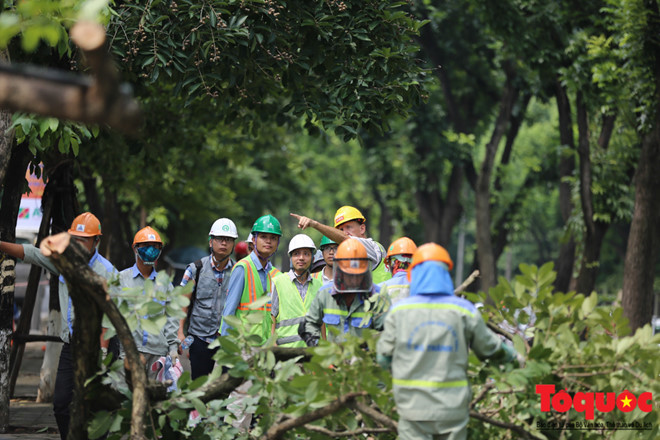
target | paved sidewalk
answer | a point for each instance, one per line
(29, 420)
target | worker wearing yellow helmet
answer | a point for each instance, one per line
(350, 223)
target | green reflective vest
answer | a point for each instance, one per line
(252, 291)
(292, 309)
(380, 273)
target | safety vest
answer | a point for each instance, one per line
(380, 273)
(292, 309)
(252, 291)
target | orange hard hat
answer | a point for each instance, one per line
(346, 214)
(85, 225)
(401, 246)
(351, 257)
(147, 235)
(430, 252)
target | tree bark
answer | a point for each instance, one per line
(483, 217)
(6, 137)
(644, 239)
(566, 259)
(594, 229)
(11, 200)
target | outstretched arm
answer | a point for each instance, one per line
(333, 234)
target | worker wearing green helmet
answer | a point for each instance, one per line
(252, 276)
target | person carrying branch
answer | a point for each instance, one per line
(425, 343)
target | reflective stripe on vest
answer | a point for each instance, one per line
(250, 293)
(429, 383)
(434, 306)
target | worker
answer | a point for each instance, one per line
(293, 292)
(252, 277)
(86, 230)
(318, 264)
(340, 304)
(328, 249)
(147, 246)
(398, 259)
(426, 341)
(212, 276)
(250, 242)
(241, 250)
(349, 222)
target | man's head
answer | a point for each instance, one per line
(352, 271)
(147, 246)
(266, 233)
(250, 242)
(430, 252)
(86, 229)
(399, 254)
(350, 221)
(222, 236)
(329, 249)
(301, 252)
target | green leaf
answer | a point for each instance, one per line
(99, 425)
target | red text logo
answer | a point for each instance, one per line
(589, 402)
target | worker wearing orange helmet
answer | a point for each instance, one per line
(398, 259)
(349, 222)
(147, 246)
(86, 230)
(426, 341)
(340, 304)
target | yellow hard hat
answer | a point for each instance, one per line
(346, 214)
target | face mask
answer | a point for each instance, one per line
(148, 254)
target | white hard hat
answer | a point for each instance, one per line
(223, 227)
(301, 241)
(250, 238)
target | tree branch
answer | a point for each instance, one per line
(515, 428)
(339, 434)
(469, 280)
(376, 415)
(276, 431)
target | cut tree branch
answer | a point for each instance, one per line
(276, 431)
(100, 99)
(522, 433)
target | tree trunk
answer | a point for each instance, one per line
(482, 196)
(11, 201)
(644, 239)
(566, 259)
(594, 229)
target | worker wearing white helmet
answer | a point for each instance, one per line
(211, 276)
(293, 292)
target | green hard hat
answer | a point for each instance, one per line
(268, 224)
(325, 240)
